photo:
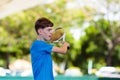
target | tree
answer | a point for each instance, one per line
(15, 40)
(112, 36)
(18, 33)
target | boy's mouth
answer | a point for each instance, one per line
(50, 36)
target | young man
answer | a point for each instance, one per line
(41, 51)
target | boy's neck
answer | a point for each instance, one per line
(39, 38)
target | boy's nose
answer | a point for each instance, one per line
(51, 31)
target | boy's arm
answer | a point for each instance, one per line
(62, 49)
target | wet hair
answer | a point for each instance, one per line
(43, 23)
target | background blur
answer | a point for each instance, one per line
(92, 29)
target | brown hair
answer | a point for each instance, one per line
(43, 23)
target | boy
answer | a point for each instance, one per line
(41, 50)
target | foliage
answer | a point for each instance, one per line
(17, 34)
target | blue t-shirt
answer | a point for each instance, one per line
(41, 60)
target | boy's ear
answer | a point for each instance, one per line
(39, 31)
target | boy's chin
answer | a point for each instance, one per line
(48, 39)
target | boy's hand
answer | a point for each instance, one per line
(66, 44)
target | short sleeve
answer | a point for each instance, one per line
(42, 47)
(48, 48)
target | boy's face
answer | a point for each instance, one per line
(46, 33)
